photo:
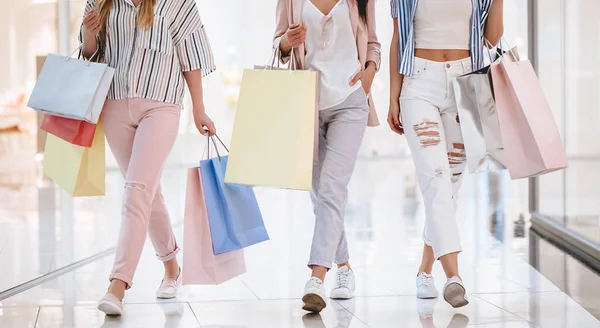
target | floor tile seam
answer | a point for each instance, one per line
(391, 290)
(505, 310)
(522, 292)
(529, 288)
(272, 299)
(352, 314)
(190, 301)
(194, 314)
(37, 317)
(125, 303)
(250, 289)
(335, 301)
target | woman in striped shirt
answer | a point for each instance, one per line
(434, 42)
(155, 46)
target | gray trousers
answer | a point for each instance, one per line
(341, 132)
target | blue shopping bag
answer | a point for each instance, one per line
(233, 213)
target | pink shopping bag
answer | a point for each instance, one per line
(200, 265)
(532, 142)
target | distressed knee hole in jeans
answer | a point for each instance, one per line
(439, 173)
(456, 177)
(457, 155)
(428, 133)
(135, 185)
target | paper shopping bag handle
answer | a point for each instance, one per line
(212, 138)
(502, 40)
(80, 49)
(271, 64)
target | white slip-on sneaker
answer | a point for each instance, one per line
(168, 287)
(426, 286)
(455, 292)
(345, 284)
(110, 305)
(314, 296)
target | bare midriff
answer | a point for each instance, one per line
(442, 55)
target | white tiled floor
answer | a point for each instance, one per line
(383, 224)
(41, 230)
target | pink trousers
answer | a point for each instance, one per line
(140, 134)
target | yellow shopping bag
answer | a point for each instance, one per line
(79, 171)
(274, 130)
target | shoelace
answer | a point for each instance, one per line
(426, 280)
(342, 279)
(316, 282)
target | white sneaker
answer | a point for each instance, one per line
(314, 296)
(426, 307)
(345, 284)
(455, 292)
(168, 287)
(426, 286)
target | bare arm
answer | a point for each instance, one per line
(194, 82)
(395, 77)
(90, 28)
(494, 26)
(90, 46)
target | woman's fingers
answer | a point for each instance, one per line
(395, 127)
(92, 25)
(90, 17)
(212, 128)
(297, 41)
(356, 78)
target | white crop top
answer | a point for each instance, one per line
(443, 24)
(331, 50)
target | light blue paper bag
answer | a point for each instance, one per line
(233, 213)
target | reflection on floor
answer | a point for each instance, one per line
(384, 223)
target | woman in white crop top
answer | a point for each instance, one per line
(434, 42)
(337, 39)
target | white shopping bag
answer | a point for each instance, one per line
(71, 88)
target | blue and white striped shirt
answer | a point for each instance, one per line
(405, 11)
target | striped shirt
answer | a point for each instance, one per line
(149, 63)
(405, 11)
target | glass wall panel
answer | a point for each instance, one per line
(569, 68)
(582, 116)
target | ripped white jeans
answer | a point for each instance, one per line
(430, 120)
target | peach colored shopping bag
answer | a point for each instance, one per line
(532, 142)
(273, 140)
(79, 171)
(200, 265)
